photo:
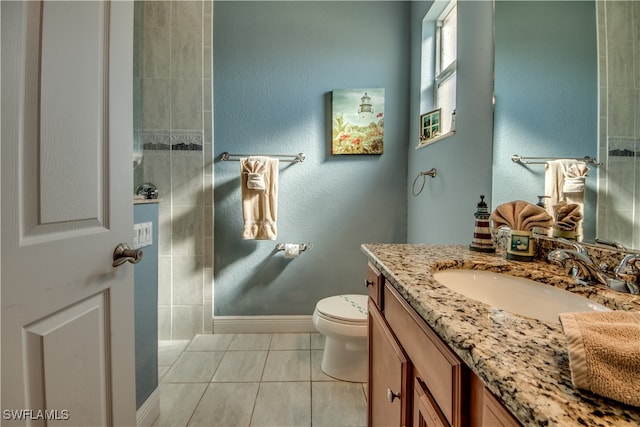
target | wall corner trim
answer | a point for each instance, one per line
(262, 324)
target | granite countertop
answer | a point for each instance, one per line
(521, 360)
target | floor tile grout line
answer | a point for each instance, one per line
(255, 403)
(195, 408)
(264, 366)
(217, 367)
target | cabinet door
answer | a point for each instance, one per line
(425, 411)
(443, 373)
(388, 375)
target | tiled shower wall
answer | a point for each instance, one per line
(619, 184)
(174, 136)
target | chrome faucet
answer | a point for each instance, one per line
(624, 268)
(576, 246)
(610, 243)
(585, 271)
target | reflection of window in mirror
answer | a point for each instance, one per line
(445, 63)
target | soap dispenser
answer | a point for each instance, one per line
(541, 231)
(482, 241)
(541, 201)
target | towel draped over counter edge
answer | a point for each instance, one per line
(604, 353)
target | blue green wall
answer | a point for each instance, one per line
(275, 65)
(546, 90)
(146, 307)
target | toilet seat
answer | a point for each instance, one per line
(345, 309)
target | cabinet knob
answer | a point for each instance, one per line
(368, 283)
(392, 396)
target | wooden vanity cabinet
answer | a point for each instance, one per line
(425, 410)
(374, 284)
(415, 379)
(486, 410)
(389, 372)
(435, 365)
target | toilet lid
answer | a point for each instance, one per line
(352, 308)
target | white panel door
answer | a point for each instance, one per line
(66, 203)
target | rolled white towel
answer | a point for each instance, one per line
(255, 181)
(254, 168)
(574, 178)
(573, 185)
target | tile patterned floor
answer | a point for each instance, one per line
(253, 380)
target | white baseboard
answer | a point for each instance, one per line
(262, 324)
(149, 411)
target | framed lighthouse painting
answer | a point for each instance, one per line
(357, 121)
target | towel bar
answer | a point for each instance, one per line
(542, 160)
(292, 158)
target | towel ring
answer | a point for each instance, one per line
(431, 172)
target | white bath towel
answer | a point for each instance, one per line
(564, 181)
(259, 206)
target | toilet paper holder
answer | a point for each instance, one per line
(301, 246)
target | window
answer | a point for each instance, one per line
(445, 63)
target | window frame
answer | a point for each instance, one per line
(442, 75)
(431, 77)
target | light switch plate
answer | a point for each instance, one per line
(142, 235)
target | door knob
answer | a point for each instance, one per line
(123, 253)
(392, 395)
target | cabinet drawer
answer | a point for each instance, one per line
(435, 364)
(374, 283)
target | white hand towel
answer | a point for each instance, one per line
(260, 207)
(553, 182)
(575, 176)
(573, 185)
(255, 181)
(555, 178)
(254, 167)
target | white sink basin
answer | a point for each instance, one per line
(515, 294)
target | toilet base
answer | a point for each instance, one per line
(346, 360)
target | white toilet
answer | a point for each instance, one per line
(342, 319)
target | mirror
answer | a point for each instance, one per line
(547, 92)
